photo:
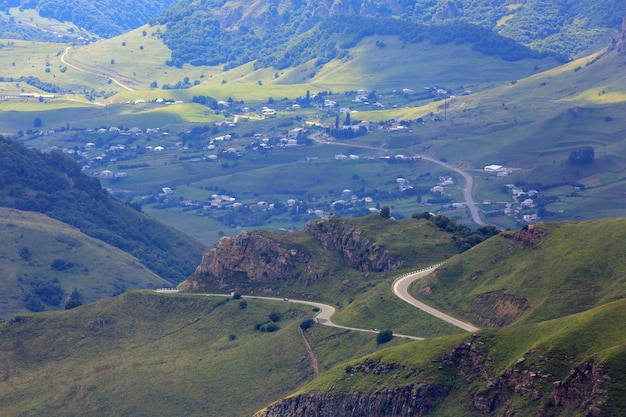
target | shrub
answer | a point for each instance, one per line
(73, 304)
(384, 336)
(272, 327)
(307, 324)
(275, 316)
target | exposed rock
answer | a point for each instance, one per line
(258, 257)
(496, 309)
(528, 236)
(345, 239)
(409, 401)
(449, 10)
(584, 389)
(620, 41)
(583, 385)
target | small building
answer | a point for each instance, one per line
(493, 168)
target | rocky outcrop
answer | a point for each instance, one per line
(620, 41)
(468, 367)
(528, 236)
(584, 385)
(497, 308)
(449, 10)
(409, 401)
(258, 257)
(347, 240)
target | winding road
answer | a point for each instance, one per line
(400, 289)
(467, 189)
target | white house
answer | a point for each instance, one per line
(493, 168)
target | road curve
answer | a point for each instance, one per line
(322, 317)
(401, 289)
(467, 189)
(91, 72)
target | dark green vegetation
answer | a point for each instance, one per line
(46, 264)
(331, 39)
(53, 184)
(214, 32)
(103, 18)
(535, 274)
(144, 354)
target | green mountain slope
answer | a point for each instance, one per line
(539, 273)
(52, 183)
(235, 32)
(45, 262)
(145, 354)
(572, 366)
(104, 18)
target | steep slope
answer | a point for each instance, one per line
(45, 262)
(234, 32)
(144, 354)
(332, 37)
(535, 274)
(566, 367)
(103, 18)
(52, 183)
(339, 256)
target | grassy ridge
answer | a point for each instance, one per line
(552, 348)
(174, 355)
(558, 274)
(31, 242)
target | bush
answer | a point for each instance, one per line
(275, 316)
(243, 304)
(581, 156)
(271, 327)
(307, 324)
(384, 336)
(73, 304)
(60, 265)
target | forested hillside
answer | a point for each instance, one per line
(332, 38)
(212, 32)
(52, 183)
(106, 18)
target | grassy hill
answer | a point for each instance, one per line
(53, 184)
(536, 274)
(153, 355)
(45, 261)
(550, 367)
(363, 299)
(144, 353)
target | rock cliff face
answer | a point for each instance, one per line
(256, 256)
(620, 42)
(409, 401)
(243, 262)
(350, 243)
(583, 390)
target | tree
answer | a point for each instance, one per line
(73, 304)
(384, 336)
(275, 316)
(385, 212)
(37, 122)
(307, 324)
(581, 156)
